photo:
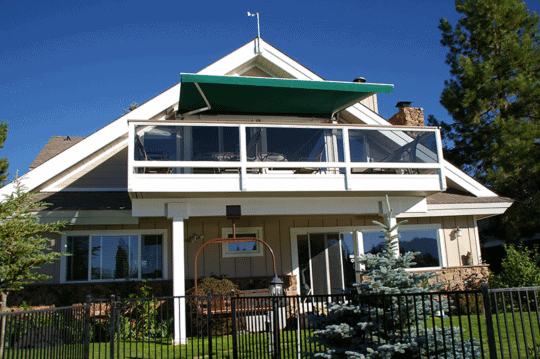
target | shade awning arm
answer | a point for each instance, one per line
(346, 106)
(208, 107)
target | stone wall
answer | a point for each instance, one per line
(460, 278)
(466, 277)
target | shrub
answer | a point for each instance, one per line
(520, 268)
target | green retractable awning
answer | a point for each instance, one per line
(206, 94)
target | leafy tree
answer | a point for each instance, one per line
(520, 268)
(131, 107)
(379, 324)
(492, 96)
(3, 161)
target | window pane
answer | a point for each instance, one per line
(303, 264)
(423, 241)
(152, 256)
(393, 146)
(373, 242)
(77, 262)
(114, 257)
(245, 247)
(347, 245)
(293, 144)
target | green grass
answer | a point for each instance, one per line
(518, 345)
(250, 345)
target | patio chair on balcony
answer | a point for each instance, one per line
(316, 158)
(142, 155)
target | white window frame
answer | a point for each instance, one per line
(359, 249)
(139, 233)
(225, 232)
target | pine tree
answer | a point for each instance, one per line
(381, 324)
(23, 245)
(492, 96)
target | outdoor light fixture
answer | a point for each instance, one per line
(458, 232)
(195, 237)
(233, 212)
(276, 287)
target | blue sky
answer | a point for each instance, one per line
(69, 67)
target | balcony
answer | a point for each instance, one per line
(203, 157)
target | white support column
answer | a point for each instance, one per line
(178, 212)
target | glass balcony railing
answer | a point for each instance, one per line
(270, 150)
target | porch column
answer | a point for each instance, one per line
(178, 212)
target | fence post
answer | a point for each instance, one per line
(233, 319)
(87, 327)
(209, 322)
(112, 321)
(489, 322)
(275, 307)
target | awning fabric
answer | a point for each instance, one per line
(270, 96)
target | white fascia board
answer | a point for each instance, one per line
(466, 182)
(287, 64)
(278, 206)
(94, 142)
(93, 217)
(460, 209)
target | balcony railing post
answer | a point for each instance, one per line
(243, 157)
(347, 155)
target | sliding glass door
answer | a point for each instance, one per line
(326, 262)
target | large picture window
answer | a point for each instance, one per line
(112, 256)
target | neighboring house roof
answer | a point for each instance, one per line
(56, 145)
(163, 105)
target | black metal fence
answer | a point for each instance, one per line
(501, 323)
(47, 333)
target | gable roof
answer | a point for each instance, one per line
(161, 106)
(56, 145)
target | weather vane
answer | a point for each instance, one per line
(258, 29)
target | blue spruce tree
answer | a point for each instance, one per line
(385, 320)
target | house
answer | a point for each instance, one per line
(309, 161)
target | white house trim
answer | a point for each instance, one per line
(279, 206)
(460, 209)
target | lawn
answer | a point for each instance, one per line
(514, 333)
(250, 345)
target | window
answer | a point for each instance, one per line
(245, 249)
(422, 239)
(113, 256)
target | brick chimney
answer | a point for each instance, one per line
(407, 116)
